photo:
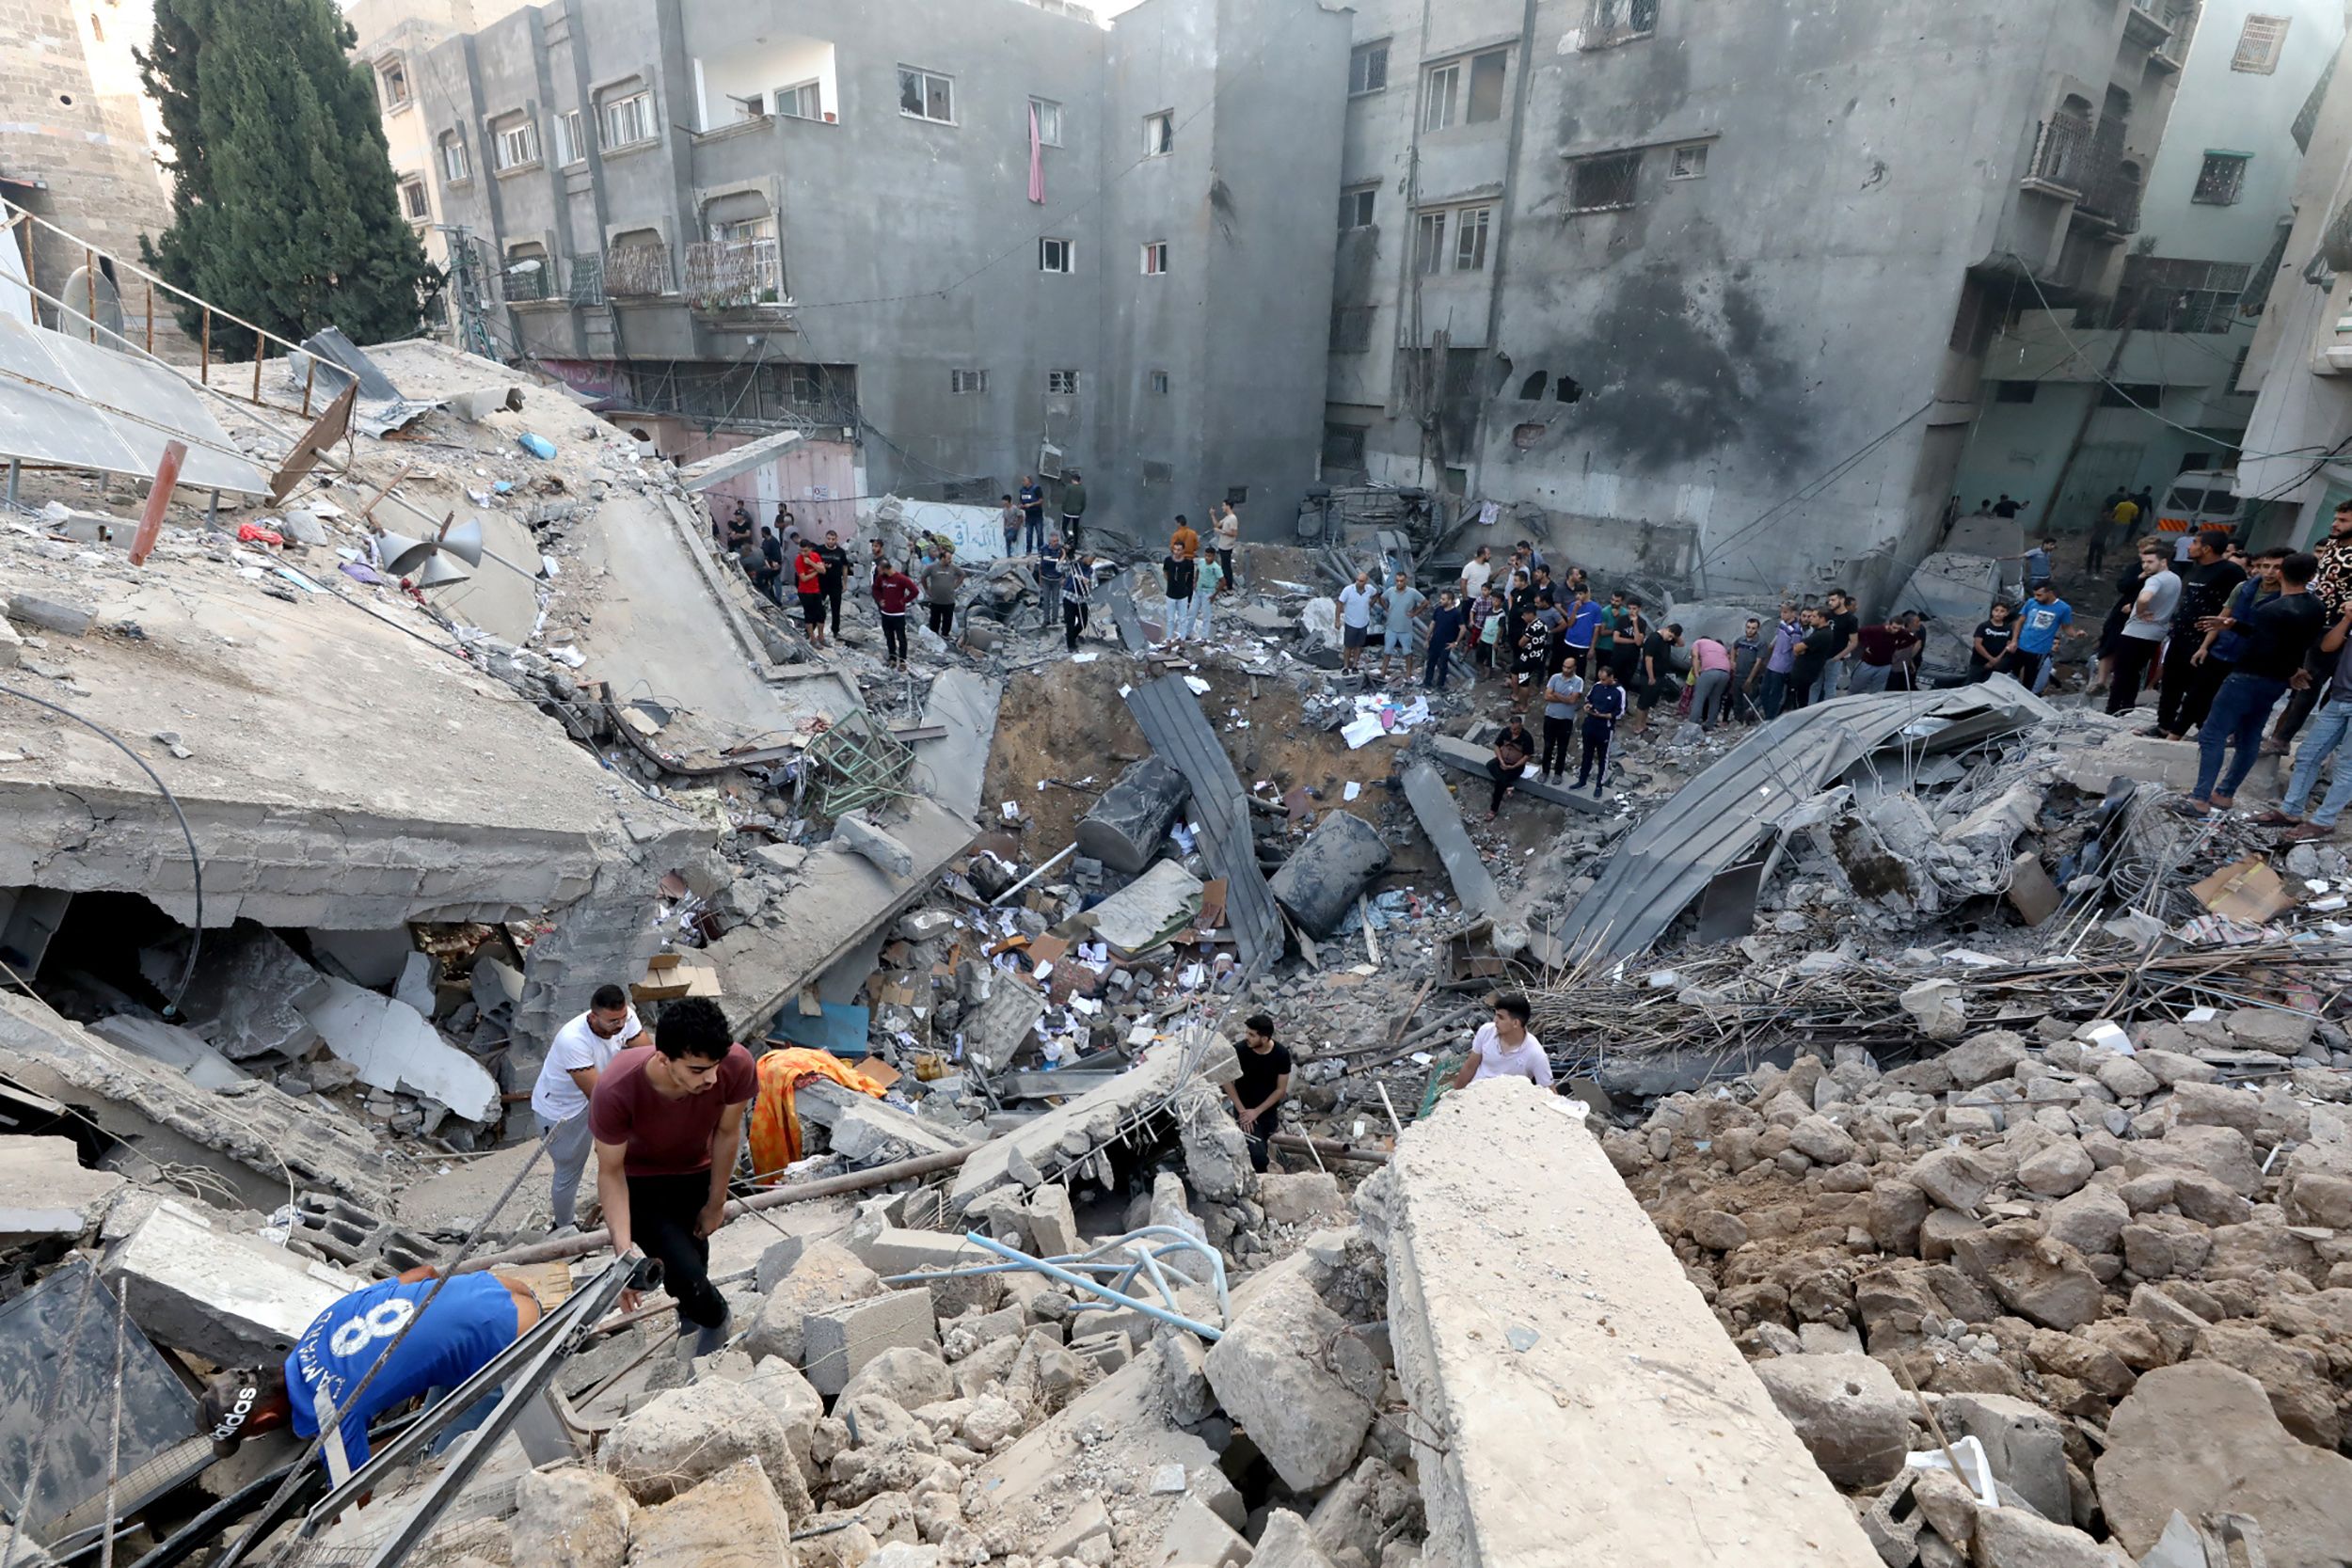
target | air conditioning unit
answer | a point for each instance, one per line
(1049, 460)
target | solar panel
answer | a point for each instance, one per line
(82, 405)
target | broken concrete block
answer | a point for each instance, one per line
(1127, 826)
(2012, 1538)
(1087, 1521)
(1053, 1223)
(1004, 1022)
(371, 959)
(2024, 1443)
(908, 1377)
(823, 1274)
(45, 1192)
(732, 1520)
(1848, 1411)
(1325, 875)
(72, 620)
(569, 1517)
(861, 837)
(394, 1046)
(1287, 1542)
(1296, 1199)
(233, 1300)
(2031, 893)
(1148, 912)
(684, 1436)
(175, 1047)
(1272, 1374)
(838, 1344)
(2040, 1279)
(1217, 1152)
(250, 993)
(1951, 1178)
(1195, 1537)
(1981, 1058)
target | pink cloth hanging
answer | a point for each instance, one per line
(1037, 159)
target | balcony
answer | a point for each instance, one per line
(734, 274)
(526, 280)
(637, 271)
(2061, 149)
(2111, 198)
(2163, 28)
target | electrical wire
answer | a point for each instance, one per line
(196, 861)
(1816, 485)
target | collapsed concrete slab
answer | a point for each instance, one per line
(1127, 826)
(174, 1046)
(394, 1047)
(1574, 1399)
(1440, 818)
(868, 1132)
(230, 1299)
(1147, 913)
(953, 768)
(249, 993)
(1003, 1021)
(46, 1191)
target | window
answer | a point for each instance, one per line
(1155, 258)
(1486, 87)
(2258, 44)
(454, 165)
(392, 79)
(1470, 239)
(753, 107)
(1368, 68)
(1054, 256)
(801, 101)
(1159, 382)
(926, 95)
(2130, 394)
(1602, 183)
(571, 140)
(967, 383)
(514, 144)
(1351, 330)
(1048, 121)
(1342, 446)
(1619, 22)
(1159, 133)
(1438, 91)
(412, 200)
(2013, 391)
(2222, 180)
(1355, 207)
(625, 119)
(1690, 162)
(1429, 247)
(1061, 383)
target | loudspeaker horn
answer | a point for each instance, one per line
(400, 554)
(465, 541)
(440, 573)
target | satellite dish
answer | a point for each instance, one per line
(465, 541)
(400, 554)
(440, 573)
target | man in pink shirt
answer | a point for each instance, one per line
(1711, 680)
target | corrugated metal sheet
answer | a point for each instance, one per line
(1717, 820)
(1171, 718)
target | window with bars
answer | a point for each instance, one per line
(1342, 446)
(926, 95)
(587, 281)
(1609, 22)
(1063, 383)
(2259, 43)
(413, 202)
(967, 383)
(2222, 180)
(1368, 68)
(455, 166)
(625, 117)
(514, 143)
(1604, 183)
(1355, 207)
(1351, 328)
(2163, 294)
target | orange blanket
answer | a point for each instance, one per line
(776, 1126)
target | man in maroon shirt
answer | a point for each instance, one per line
(668, 1119)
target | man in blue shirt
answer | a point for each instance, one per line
(466, 1324)
(1576, 639)
(2045, 615)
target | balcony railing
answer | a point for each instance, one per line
(2060, 149)
(525, 280)
(733, 274)
(587, 281)
(2113, 198)
(637, 270)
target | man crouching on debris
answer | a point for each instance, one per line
(668, 1119)
(1507, 1048)
(469, 1320)
(1265, 1078)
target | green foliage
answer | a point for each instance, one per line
(285, 209)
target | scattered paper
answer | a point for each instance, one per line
(1361, 731)
(1012, 811)
(1352, 790)
(1087, 657)
(1200, 686)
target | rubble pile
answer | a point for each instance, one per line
(2107, 1254)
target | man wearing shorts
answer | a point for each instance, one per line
(1353, 614)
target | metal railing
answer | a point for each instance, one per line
(587, 282)
(636, 270)
(2112, 195)
(2060, 148)
(521, 282)
(733, 274)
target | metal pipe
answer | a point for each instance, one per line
(1034, 875)
(1054, 1272)
(1327, 1148)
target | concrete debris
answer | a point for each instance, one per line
(861, 837)
(689, 1435)
(183, 1050)
(838, 1342)
(45, 1192)
(1848, 1412)
(1148, 912)
(732, 1519)
(230, 1299)
(393, 1046)
(251, 995)
(570, 1517)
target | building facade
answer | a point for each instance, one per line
(985, 238)
(2132, 391)
(1704, 291)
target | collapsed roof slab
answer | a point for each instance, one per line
(1574, 1400)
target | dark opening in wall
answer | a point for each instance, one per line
(1533, 387)
(1569, 389)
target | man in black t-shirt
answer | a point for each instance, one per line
(1988, 646)
(1812, 658)
(2282, 633)
(837, 576)
(1265, 1078)
(2184, 697)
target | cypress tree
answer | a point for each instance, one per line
(284, 209)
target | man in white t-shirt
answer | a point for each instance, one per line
(1507, 1048)
(1477, 572)
(579, 1054)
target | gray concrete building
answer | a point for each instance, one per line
(738, 218)
(1703, 291)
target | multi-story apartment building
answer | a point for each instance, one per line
(2131, 391)
(989, 238)
(1704, 290)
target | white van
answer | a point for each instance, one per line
(2198, 499)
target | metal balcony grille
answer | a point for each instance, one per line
(636, 270)
(2060, 150)
(587, 281)
(732, 274)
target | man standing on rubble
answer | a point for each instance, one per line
(1781, 661)
(1845, 625)
(1181, 576)
(1603, 706)
(1396, 638)
(2045, 616)
(1351, 616)
(2332, 587)
(2284, 630)
(895, 593)
(837, 576)
(941, 583)
(1265, 1079)
(1507, 1048)
(668, 1120)
(1077, 594)
(1033, 512)
(2145, 628)
(1073, 508)
(1225, 527)
(2212, 581)
(577, 1057)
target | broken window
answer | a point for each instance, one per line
(1618, 21)
(571, 141)
(1486, 87)
(1429, 243)
(1438, 90)
(1355, 207)
(455, 166)
(1054, 256)
(1061, 384)
(2259, 43)
(413, 202)
(391, 78)
(1368, 68)
(514, 143)
(801, 101)
(1155, 258)
(1470, 239)
(2222, 181)
(2013, 391)
(625, 117)
(2130, 394)
(1159, 384)
(1048, 121)
(1688, 162)
(1159, 133)
(1602, 183)
(1342, 446)
(967, 383)
(1533, 387)
(926, 95)
(1351, 328)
